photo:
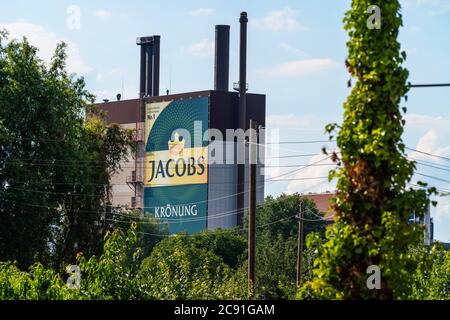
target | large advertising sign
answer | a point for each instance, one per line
(176, 170)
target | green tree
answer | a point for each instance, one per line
(54, 163)
(36, 284)
(114, 274)
(431, 280)
(283, 210)
(230, 246)
(373, 202)
(276, 243)
(148, 229)
(192, 267)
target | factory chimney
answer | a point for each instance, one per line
(242, 109)
(149, 66)
(222, 58)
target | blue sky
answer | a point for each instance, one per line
(296, 57)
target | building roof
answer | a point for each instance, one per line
(322, 201)
(121, 112)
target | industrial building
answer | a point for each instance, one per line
(177, 175)
(323, 205)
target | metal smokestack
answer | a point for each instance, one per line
(149, 66)
(156, 55)
(149, 69)
(242, 111)
(222, 58)
(243, 71)
(142, 71)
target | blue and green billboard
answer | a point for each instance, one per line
(176, 169)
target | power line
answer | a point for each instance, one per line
(300, 142)
(130, 162)
(296, 170)
(241, 229)
(99, 195)
(433, 166)
(432, 177)
(165, 221)
(273, 179)
(429, 85)
(428, 154)
(214, 165)
(224, 197)
(298, 179)
(442, 190)
(280, 142)
(429, 162)
(215, 232)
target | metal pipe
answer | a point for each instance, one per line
(252, 208)
(243, 71)
(149, 70)
(242, 111)
(222, 58)
(142, 70)
(156, 62)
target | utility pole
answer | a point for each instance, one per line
(300, 244)
(253, 141)
(243, 20)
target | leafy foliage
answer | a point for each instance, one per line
(286, 208)
(57, 154)
(111, 276)
(114, 275)
(37, 284)
(431, 279)
(373, 202)
(184, 267)
(54, 163)
(277, 243)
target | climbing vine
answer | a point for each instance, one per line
(373, 201)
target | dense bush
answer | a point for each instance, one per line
(111, 276)
(37, 283)
(185, 267)
(431, 279)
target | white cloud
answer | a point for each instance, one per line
(279, 20)
(202, 12)
(441, 219)
(116, 71)
(315, 170)
(101, 94)
(99, 76)
(436, 7)
(103, 14)
(423, 121)
(204, 48)
(299, 67)
(442, 210)
(291, 49)
(46, 42)
(429, 143)
(289, 121)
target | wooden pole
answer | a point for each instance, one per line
(252, 210)
(300, 244)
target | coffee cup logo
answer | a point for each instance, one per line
(176, 146)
